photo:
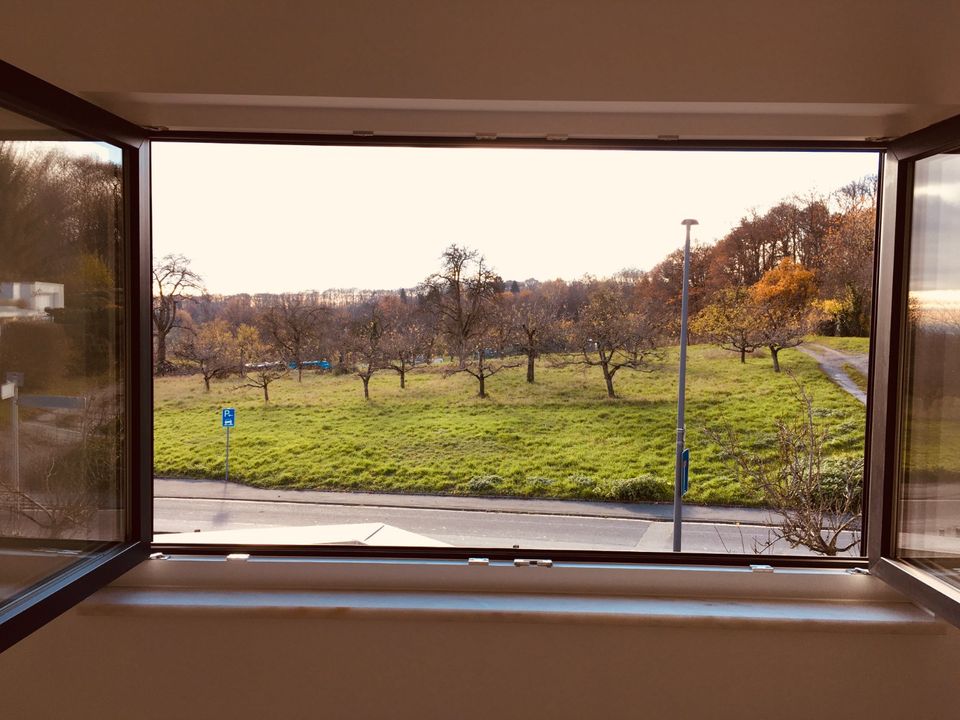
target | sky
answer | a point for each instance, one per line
(268, 218)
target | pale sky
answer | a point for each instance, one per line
(268, 218)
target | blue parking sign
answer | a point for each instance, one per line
(228, 417)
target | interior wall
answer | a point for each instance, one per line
(93, 666)
(696, 68)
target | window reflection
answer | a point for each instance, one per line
(930, 488)
(61, 420)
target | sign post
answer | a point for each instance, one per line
(228, 418)
(678, 490)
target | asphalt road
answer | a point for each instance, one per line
(462, 527)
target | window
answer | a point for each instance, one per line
(914, 540)
(478, 347)
(69, 433)
(78, 507)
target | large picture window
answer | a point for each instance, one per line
(479, 347)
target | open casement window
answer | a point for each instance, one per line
(914, 532)
(74, 351)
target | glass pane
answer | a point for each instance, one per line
(479, 347)
(929, 529)
(61, 413)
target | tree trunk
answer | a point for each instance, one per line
(161, 365)
(743, 356)
(366, 387)
(299, 371)
(530, 359)
(482, 380)
(206, 383)
(776, 361)
(609, 380)
(403, 374)
(266, 393)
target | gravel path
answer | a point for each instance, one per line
(832, 361)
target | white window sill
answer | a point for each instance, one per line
(677, 596)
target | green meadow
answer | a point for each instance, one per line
(559, 437)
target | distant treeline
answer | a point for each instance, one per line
(802, 266)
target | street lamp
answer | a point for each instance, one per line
(681, 395)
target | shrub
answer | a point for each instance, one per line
(645, 488)
(481, 485)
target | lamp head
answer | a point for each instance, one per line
(689, 221)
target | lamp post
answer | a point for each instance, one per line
(681, 395)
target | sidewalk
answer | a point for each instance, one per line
(218, 490)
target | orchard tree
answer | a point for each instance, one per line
(610, 335)
(485, 356)
(173, 280)
(408, 336)
(730, 322)
(462, 296)
(292, 326)
(783, 301)
(267, 366)
(367, 344)
(246, 341)
(532, 315)
(212, 347)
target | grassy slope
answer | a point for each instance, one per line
(556, 438)
(860, 345)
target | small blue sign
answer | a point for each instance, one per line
(228, 417)
(685, 471)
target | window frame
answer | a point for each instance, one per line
(571, 144)
(887, 383)
(31, 97)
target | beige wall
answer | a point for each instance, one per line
(91, 666)
(697, 68)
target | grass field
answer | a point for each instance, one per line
(560, 437)
(860, 345)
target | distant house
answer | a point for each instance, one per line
(28, 300)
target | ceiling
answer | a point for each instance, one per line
(755, 69)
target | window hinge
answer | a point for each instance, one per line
(520, 562)
(761, 568)
(158, 556)
(478, 561)
(238, 556)
(858, 571)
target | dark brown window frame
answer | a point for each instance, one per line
(572, 144)
(33, 98)
(888, 378)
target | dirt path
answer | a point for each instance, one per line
(832, 361)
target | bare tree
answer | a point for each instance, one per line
(172, 281)
(818, 501)
(212, 347)
(610, 335)
(461, 295)
(532, 314)
(408, 336)
(465, 298)
(367, 346)
(291, 325)
(267, 367)
(246, 340)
